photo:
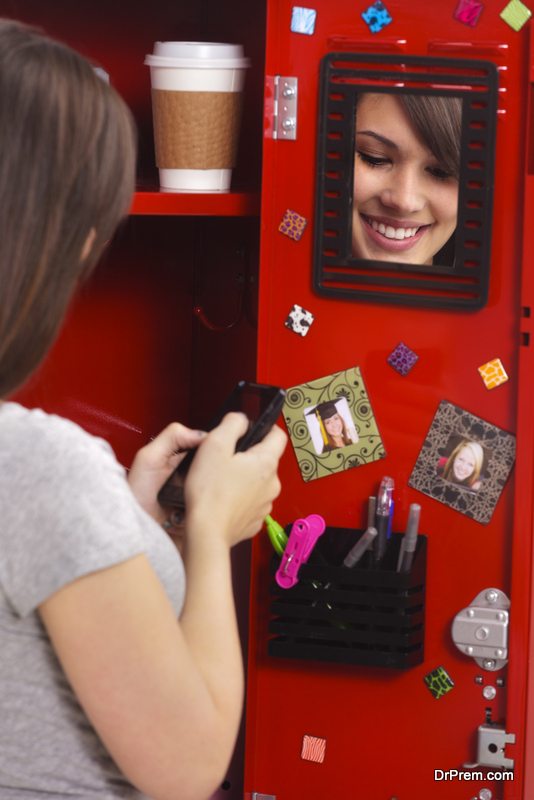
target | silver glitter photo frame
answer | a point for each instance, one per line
(464, 462)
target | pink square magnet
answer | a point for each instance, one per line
(313, 749)
(468, 12)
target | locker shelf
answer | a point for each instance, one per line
(223, 204)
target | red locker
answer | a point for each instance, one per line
(194, 294)
(384, 734)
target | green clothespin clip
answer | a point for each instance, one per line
(276, 534)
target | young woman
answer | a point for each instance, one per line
(333, 427)
(119, 678)
(464, 465)
(406, 170)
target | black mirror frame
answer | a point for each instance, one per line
(336, 273)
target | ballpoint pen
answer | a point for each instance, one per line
(409, 540)
(390, 522)
(383, 511)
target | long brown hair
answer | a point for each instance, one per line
(67, 166)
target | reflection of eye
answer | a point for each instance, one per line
(372, 161)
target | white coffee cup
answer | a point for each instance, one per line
(196, 105)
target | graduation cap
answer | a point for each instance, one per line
(324, 411)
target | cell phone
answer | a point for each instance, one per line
(261, 403)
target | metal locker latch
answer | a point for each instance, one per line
(281, 107)
(491, 742)
(481, 630)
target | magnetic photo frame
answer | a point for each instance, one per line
(464, 462)
(459, 276)
(331, 424)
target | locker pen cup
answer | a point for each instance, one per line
(367, 614)
(197, 91)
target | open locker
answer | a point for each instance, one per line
(172, 314)
(167, 324)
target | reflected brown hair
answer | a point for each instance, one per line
(67, 167)
(438, 120)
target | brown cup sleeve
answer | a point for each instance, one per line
(196, 130)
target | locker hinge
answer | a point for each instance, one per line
(481, 630)
(281, 98)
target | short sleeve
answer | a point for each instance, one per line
(66, 508)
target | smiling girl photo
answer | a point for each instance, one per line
(406, 170)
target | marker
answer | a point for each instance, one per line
(371, 511)
(409, 540)
(361, 546)
(383, 512)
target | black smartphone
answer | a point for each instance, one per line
(261, 403)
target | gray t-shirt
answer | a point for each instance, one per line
(66, 510)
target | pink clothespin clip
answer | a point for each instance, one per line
(302, 539)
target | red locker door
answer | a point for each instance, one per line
(376, 732)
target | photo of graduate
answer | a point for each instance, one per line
(331, 426)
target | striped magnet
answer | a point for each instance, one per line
(313, 749)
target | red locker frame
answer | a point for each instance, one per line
(385, 733)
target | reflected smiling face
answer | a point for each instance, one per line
(464, 464)
(404, 205)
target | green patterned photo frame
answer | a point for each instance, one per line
(347, 391)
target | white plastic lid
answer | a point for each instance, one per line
(197, 54)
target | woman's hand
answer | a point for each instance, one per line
(155, 461)
(232, 492)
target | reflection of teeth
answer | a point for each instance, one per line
(393, 233)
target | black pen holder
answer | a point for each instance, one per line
(368, 614)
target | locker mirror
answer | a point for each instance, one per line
(405, 180)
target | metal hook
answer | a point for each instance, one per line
(199, 312)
